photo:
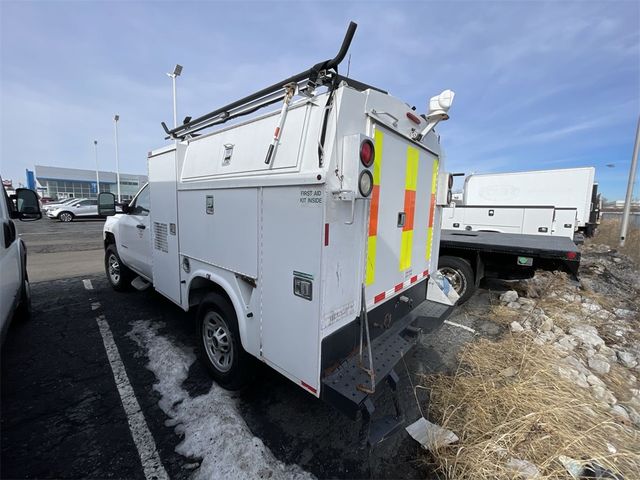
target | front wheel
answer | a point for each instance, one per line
(118, 274)
(24, 308)
(65, 217)
(219, 345)
(460, 275)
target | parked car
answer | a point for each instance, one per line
(54, 205)
(79, 208)
(15, 293)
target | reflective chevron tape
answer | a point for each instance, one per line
(432, 206)
(373, 210)
(396, 289)
(410, 186)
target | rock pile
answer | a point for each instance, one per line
(593, 324)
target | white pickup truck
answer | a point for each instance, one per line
(15, 299)
(305, 237)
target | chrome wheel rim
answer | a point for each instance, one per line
(454, 278)
(65, 217)
(217, 341)
(113, 266)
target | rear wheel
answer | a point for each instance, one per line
(118, 274)
(65, 217)
(219, 344)
(459, 274)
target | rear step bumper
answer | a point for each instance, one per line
(339, 388)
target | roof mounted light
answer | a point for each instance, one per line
(440, 105)
(438, 110)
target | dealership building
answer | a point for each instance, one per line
(58, 183)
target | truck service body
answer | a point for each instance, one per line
(522, 219)
(324, 249)
(561, 188)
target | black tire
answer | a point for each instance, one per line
(65, 217)
(460, 274)
(233, 368)
(118, 274)
(590, 230)
(23, 312)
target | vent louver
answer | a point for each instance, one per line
(160, 242)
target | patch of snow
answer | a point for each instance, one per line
(213, 428)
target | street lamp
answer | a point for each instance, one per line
(176, 73)
(632, 179)
(95, 143)
(115, 122)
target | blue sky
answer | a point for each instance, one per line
(538, 85)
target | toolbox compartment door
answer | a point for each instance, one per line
(401, 216)
(164, 224)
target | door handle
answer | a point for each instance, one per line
(141, 226)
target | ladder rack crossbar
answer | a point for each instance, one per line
(311, 75)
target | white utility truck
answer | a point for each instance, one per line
(561, 188)
(527, 220)
(305, 237)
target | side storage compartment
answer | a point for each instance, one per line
(164, 222)
(290, 280)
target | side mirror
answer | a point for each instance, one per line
(106, 204)
(125, 207)
(27, 205)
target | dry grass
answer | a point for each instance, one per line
(608, 233)
(533, 415)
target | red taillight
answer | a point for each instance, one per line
(572, 255)
(367, 153)
(415, 119)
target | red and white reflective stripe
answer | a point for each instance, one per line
(308, 387)
(397, 288)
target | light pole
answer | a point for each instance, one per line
(115, 121)
(176, 73)
(95, 143)
(632, 178)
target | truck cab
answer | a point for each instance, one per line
(130, 233)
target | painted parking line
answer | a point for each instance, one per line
(458, 325)
(145, 444)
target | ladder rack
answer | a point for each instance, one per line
(323, 73)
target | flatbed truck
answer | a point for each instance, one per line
(466, 257)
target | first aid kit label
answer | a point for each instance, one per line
(310, 197)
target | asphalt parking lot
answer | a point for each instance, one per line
(94, 368)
